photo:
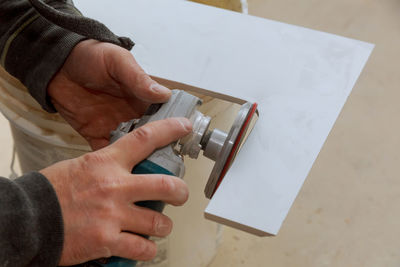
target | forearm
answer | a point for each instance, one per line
(31, 226)
(33, 49)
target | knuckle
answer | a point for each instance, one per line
(107, 188)
(154, 225)
(144, 250)
(102, 237)
(103, 122)
(143, 134)
(86, 161)
(89, 160)
(177, 128)
(167, 185)
(142, 78)
(173, 123)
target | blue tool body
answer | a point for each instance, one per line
(217, 145)
(144, 167)
(163, 161)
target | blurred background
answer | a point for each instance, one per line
(348, 211)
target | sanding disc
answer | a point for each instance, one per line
(231, 147)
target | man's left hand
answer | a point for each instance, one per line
(99, 86)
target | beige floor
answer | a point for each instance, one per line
(348, 212)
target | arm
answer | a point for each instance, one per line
(97, 195)
(31, 225)
(57, 70)
(33, 49)
(94, 85)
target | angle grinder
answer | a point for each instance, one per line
(217, 145)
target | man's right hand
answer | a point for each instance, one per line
(97, 193)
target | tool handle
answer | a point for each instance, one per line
(144, 167)
(149, 167)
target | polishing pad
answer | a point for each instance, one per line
(231, 146)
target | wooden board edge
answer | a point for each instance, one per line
(182, 86)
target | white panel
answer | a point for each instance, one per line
(299, 77)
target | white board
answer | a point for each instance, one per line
(300, 78)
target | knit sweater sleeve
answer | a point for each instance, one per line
(36, 37)
(31, 226)
(33, 49)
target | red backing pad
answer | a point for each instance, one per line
(236, 145)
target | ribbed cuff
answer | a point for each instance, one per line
(47, 217)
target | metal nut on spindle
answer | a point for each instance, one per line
(191, 145)
(214, 144)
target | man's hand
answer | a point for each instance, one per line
(100, 86)
(97, 193)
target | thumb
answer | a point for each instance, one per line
(141, 142)
(123, 67)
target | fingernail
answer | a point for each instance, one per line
(163, 228)
(184, 193)
(185, 123)
(159, 89)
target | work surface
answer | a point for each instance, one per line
(299, 77)
(347, 213)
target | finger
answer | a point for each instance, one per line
(140, 143)
(97, 143)
(169, 189)
(134, 247)
(123, 67)
(146, 222)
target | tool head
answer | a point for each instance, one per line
(217, 145)
(231, 146)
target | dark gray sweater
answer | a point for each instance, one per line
(33, 48)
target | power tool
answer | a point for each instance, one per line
(217, 145)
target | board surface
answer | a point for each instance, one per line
(299, 77)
